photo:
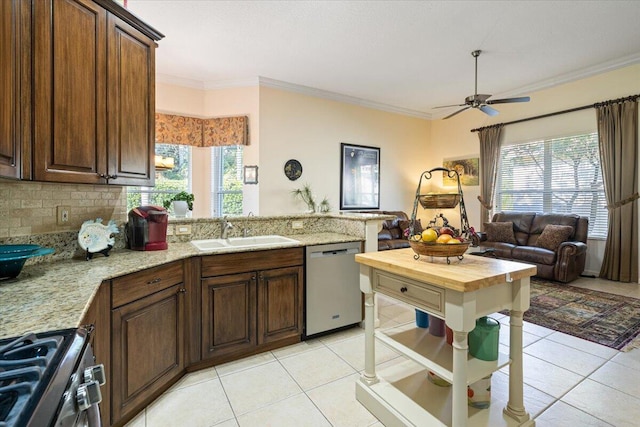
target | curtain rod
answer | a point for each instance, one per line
(571, 110)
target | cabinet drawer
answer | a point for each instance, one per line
(242, 262)
(134, 286)
(415, 293)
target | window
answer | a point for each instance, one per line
(226, 183)
(224, 174)
(168, 182)
(561, 175)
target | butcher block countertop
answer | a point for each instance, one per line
(56, 295)
(466, 275)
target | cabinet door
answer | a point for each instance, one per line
(12, 48)
(147, 348)
(228, 314)
(70, 86)
(279, 304)
(131, 105)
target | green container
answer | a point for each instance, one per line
(484, 339)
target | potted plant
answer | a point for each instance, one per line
(180, 203)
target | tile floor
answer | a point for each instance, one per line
(568, 381)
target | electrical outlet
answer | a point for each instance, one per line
(183, 229)
(297, 224)
(63, 215)
(170, 230)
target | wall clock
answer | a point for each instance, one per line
(293, 169)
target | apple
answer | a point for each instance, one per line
(446, 230)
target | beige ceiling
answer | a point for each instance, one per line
(405, 56)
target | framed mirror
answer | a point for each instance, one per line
(359, 177)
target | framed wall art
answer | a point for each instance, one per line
(467, 169)
(359, 177)
(251, 174)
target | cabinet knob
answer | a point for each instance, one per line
(253, 277)
(112, 176)
(182, 290)
(403, 289)
(154, 281)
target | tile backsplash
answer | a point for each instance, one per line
(30, 208)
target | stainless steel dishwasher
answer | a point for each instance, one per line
(333, 297)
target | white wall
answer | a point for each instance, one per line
(310, 130)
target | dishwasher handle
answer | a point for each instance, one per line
(335, 252)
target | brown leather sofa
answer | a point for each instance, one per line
(392, 234)
(559, 253)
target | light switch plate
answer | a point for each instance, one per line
(297, 224)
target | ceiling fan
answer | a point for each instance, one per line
(481, 101)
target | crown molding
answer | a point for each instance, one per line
(584, 73)
(333, 96)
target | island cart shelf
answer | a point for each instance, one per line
(459, 293)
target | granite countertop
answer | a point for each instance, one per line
(56, 295)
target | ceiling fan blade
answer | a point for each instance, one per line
(508, 100)
(459, 111)
(488, 110)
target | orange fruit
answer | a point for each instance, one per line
(444, 238)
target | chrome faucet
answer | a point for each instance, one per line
(225, 226)
(246, 231)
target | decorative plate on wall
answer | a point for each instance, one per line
(293, 169)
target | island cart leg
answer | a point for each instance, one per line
(369, 375)
(515, 406)
(459, 389)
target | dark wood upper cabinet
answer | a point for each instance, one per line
(130, 104)
(93, 79)
(70, 79)
(11, 33)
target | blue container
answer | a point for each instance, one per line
(422, 319)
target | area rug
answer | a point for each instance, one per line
(607, 319)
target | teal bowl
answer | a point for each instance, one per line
(11, 263)
(9, 250)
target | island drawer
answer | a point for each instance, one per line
(415, 293)
(134, 286)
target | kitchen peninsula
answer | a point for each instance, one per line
(459, 293)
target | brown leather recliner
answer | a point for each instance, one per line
(563, 264)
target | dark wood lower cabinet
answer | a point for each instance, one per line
(148, 323)
(147, 347)
(279, 304)
(225, 298)
(246, 311)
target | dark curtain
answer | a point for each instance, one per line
(618, 138)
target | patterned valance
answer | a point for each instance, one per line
(185, 130)
(225, 131)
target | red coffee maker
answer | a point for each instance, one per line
(147, 228)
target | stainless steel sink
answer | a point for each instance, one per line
(244, 242)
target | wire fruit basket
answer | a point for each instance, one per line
(440, 201)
